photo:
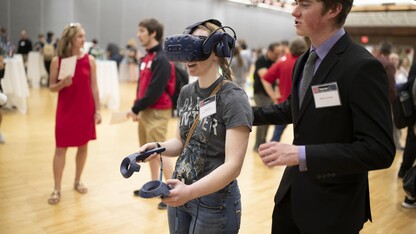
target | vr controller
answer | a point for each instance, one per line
(154, 188)
(129, 166)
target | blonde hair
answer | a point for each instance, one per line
(65, 42)
(222, 62)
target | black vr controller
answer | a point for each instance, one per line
(129, 164)
(189, 48)
(154, 188)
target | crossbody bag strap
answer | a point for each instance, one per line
(191, 131)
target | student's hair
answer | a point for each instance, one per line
(152, 25)
(223, 62)
(346, 8)
(242, 44)
(65, 42)
(298, 46)
(237, 55)
(49, 35)
(385, 47)
(272, 46)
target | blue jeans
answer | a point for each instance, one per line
(218, 212)
(278, 131)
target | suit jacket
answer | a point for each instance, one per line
(342, 143)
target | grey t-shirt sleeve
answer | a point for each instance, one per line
(237, 110)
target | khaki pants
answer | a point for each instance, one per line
(153, 125)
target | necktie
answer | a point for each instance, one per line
(307, 75)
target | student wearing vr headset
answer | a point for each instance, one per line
(215, 121)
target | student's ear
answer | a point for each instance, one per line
(335, 10)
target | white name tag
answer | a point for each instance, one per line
(207, 107)
(326, 95)
(149, 64)
(142, 66)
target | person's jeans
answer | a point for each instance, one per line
(218, 212)
(278, 131)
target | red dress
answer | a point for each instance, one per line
(75, 124)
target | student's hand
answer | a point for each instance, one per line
(67, 81)
(179, 194)
(146, 147)
(97, 117)
(278, 154)
(133, 116)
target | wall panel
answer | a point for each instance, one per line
(116, 21)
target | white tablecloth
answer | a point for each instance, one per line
(123, 72)
(35, 68)
(14, 83)
(108, 86)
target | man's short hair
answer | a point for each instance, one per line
(385, 47)
(346, 8)
(152, 25)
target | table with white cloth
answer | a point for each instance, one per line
(108, 84)
(14, 83)
(123, 71)
(35, 68)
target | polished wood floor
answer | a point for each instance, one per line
(110, 207)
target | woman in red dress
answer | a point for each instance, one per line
(77, 111)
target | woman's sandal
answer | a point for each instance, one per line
(79, 187)
(54, 198)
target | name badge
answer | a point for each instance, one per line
(149, 64)
(326, 95)
(207, 107)
(142, 66)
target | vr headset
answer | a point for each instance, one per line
(189, 48)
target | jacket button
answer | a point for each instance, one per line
(296, 135)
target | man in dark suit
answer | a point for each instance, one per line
(342, 128)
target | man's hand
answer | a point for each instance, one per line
(278, 154)
(133, 116)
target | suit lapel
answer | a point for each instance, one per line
(321, 75)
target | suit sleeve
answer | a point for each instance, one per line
(273, 114)
(370, 146)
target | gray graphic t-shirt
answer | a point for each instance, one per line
(206, 148)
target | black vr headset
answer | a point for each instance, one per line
(189, 48)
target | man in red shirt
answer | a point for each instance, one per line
(153, 105)
(280, 73)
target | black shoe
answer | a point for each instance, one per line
(162, 206)
(409, 203)
(136, 192)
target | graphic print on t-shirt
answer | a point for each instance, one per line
(192, 166)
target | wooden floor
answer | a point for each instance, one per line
(26, 181)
